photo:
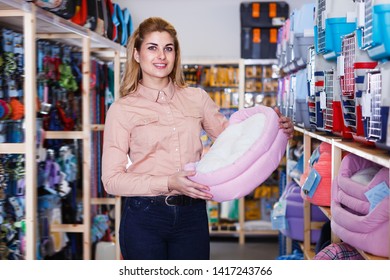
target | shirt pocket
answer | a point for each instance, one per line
(146, 120)
(144, 131)
(192, 114)
(193, 122)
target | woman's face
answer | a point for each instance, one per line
(156, 56)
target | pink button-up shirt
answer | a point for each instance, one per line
(159, 131)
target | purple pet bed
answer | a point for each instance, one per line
(294, 214)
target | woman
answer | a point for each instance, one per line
(157, 124)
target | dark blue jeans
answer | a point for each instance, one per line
(155, 231)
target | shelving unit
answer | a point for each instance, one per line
(238, 87)
(36, 23)
(28, 23)
(199, 73)
(261, 74)
(339, 145)
(218, 78)
(257, 79)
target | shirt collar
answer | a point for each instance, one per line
(163, 95)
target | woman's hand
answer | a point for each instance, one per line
(285, 123)
(182, 185)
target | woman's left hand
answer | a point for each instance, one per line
(285, 123)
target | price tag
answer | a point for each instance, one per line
(280, 207)
(314, 157)
(311, 183)
(377, 194)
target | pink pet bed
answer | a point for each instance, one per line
(243, 156)
(356, 220)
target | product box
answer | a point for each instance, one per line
(263, 14)
(252, 209)
(258, 43)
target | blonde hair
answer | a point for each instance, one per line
(133, 71)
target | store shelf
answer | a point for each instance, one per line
(322, 136)
(35, 23)
(316, 225)
(101, 201)
(299, 129)
(12, 148)
(264, 232)
(50, 26)
(379, 156)
(67, 228)
(64, 135)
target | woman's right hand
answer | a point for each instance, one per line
(181, 184)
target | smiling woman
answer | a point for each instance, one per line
(157, 123)
(156, 57)
(154, 39)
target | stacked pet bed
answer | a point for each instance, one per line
(294, 214)
(360, 205)
(317, 191)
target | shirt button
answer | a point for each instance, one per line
(177, 149)
(178, 169)
(174, 128)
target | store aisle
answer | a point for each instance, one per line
(225, 248)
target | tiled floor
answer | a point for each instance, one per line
(259, 248)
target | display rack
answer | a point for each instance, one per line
(36, 23)
(222, 228)
(198, 73)
(261, 79)
(339, 145)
